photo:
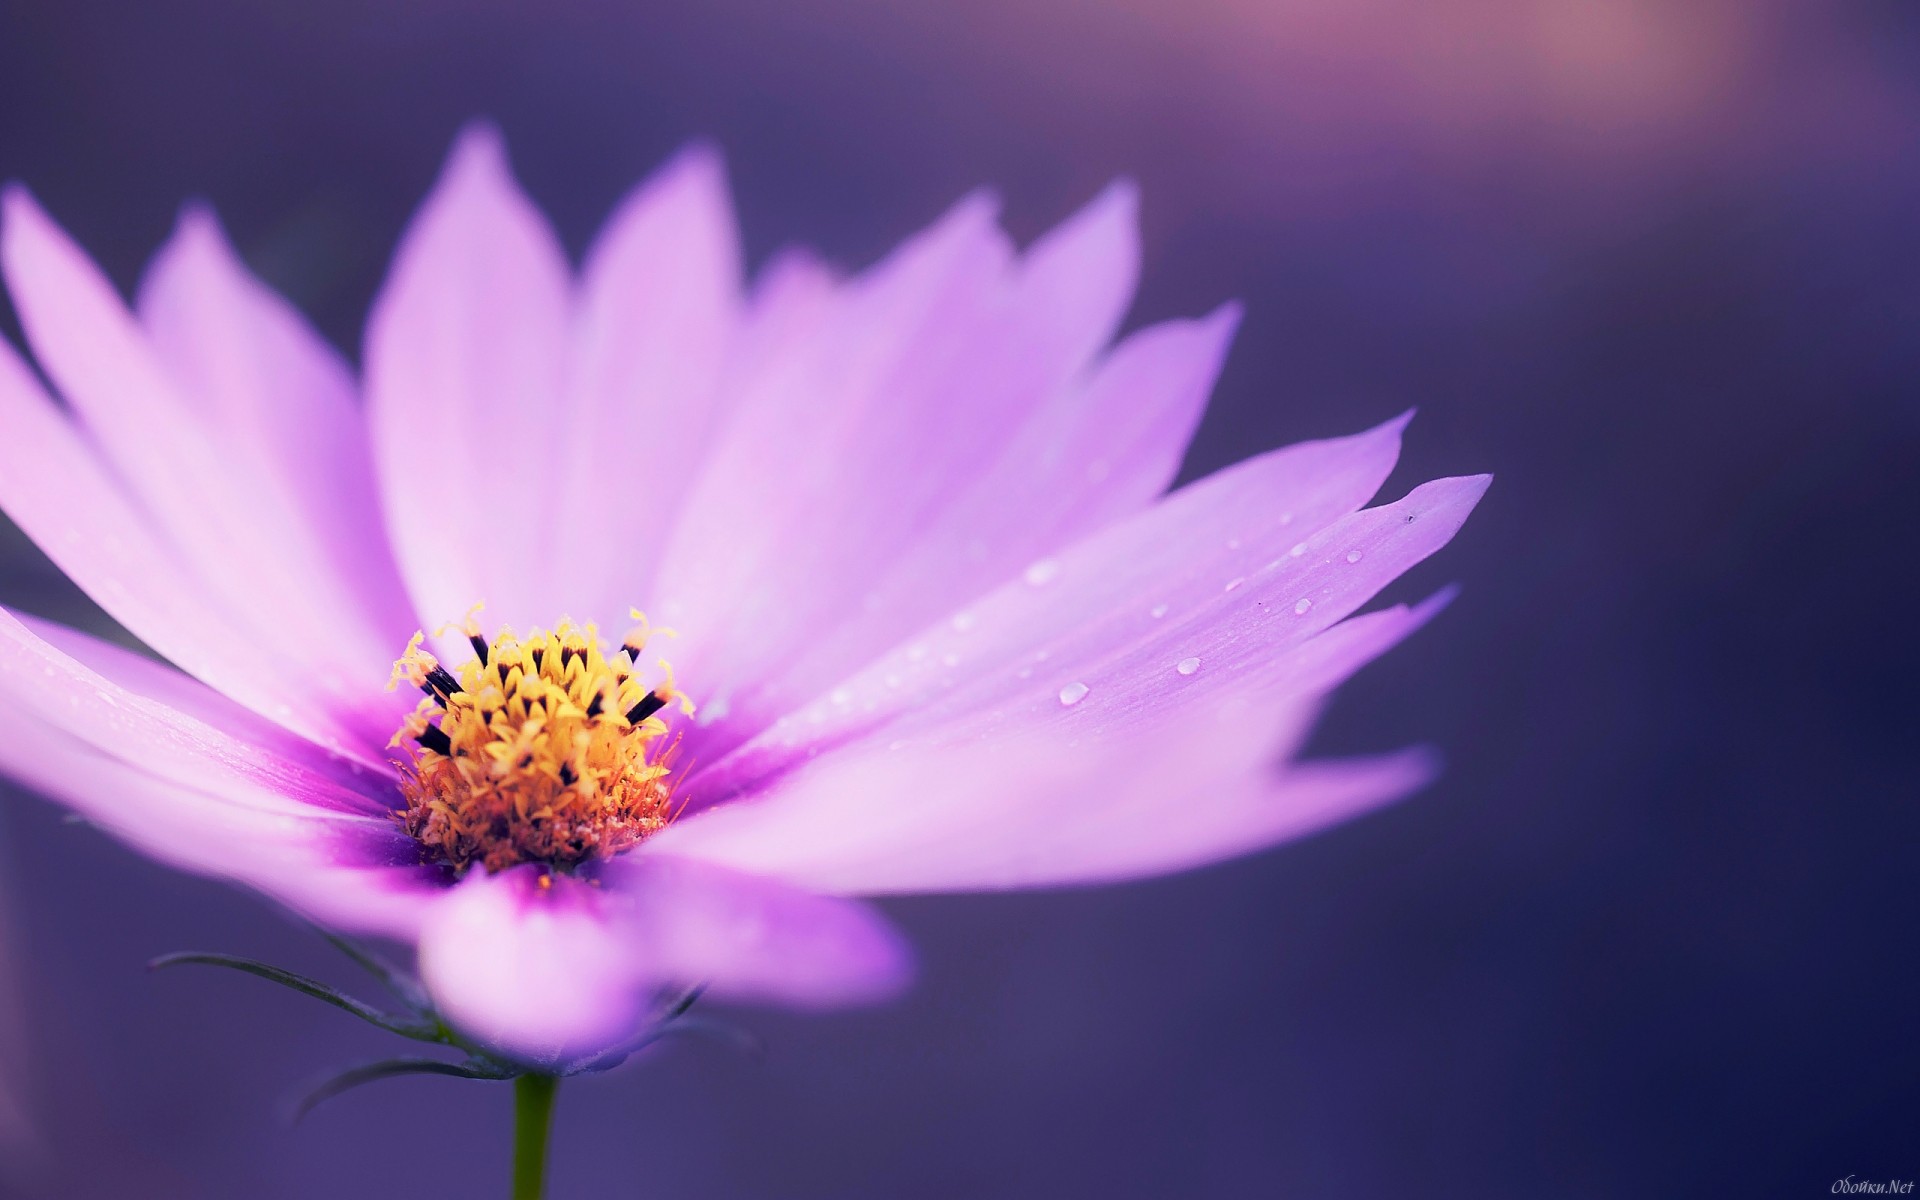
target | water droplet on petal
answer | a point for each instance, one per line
(1073, 694)
(1158, 611)
(951, 660)
(964, 621)
(1041, 573)
(1286, 518)
(1187, 666)
(1233, 543)
(1234, 583)
(1353, 556)
(916, 653)
(1301, 608)
(1299, 548)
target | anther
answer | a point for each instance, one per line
(650, 704)
(435, 739)
(566, 774)
(480, 647)
(440, 684)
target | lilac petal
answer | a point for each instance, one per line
(1126, 586)
(1036, 813)
(465, 364)
(198, 795)
(841, 458)
(242, 732)
(55, 488)
(1078, 279)
(1241, 636)
(787, 442)
(102, 705)
(543, 974)
(659, 314)
(752, 938)
(553, 971)
(251, 366)
(232, 522)
(1103, 451)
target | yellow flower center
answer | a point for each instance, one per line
(542, 749)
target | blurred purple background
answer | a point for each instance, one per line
(1655, 263)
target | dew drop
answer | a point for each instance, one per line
(964, 621)
(1041, 573)
(1073, 694)
(1158, 611)
(1025, 672)
(1301, 608)
(842, 697)
(1235, 583)
(1233, 543)
(916, 653)
(1187, 666)
(1286, 518)
(1353, 556)
(893, 681)
(951, 660)
(1299, 548)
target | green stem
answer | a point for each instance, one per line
(532, 1122)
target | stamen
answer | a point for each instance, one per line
(650, 704)
(553, 754)
(440, 684)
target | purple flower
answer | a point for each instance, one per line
(938, 627)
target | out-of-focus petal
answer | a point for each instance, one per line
(545, 974)
(465, 365)
(1029, 811)
(660, 310)
(231, 518)
(1138, 583)
(56, 489)
(753, 938)
(844, 457)
(252, 368)
(552, 971)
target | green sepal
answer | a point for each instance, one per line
(389, 1068)
(397, 981)
(419, 1031)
